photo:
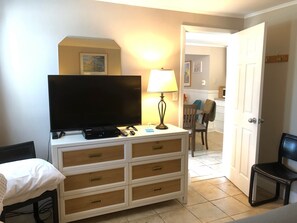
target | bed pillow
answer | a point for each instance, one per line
(29, 178)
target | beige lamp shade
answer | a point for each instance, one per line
(162, 80)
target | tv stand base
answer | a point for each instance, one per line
(115, 174)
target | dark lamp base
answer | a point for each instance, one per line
(161, 126)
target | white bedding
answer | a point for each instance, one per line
(3, 183)
(29, 178)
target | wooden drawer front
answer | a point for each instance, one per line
(94, 201)
(155, 148)
(95, 155)
(156, 189)
(92, 179)
(154, 169)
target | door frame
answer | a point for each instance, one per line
(195, 29)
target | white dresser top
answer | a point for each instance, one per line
(76, 137)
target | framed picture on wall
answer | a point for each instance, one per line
(197, 67)
(93, 63)
(187, 74)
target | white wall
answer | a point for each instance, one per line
(216, 66)
(202, 75)
(31, 31)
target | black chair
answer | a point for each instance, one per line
(208, 115)
(189, 124)
(277, 171)
(19, 152)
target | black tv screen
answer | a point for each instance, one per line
(77, 102)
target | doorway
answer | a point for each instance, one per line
(197, 45)
(244, 84)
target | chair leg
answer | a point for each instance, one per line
(202, 138)
(251, 187)
(206, 144)
(36, 213)
(2, 216)
(193, 143)
(287, 194)
(277, 189)
(55, 207)
(189, 142)
(251, 190)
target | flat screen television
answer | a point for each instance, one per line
(77, 102)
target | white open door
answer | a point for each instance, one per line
(245, 71)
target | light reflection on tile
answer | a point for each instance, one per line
(181, 215)
(231, 206)
(139, 213)
(207, 212)
(150, 219)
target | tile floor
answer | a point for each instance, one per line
(211, 197)
(207, 164)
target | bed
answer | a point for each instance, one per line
(3, 184)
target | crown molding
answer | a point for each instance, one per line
(271, 9)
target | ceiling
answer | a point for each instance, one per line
(231, 8)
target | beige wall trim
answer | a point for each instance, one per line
(271, 9)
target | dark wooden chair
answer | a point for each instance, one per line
(189, 122)
(19, 152)
(198, 104)
(277, 171)
(208, 115)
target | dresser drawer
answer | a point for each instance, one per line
(156, 189)
(93, 155)
(156, 148)
(92, 179)
(94, 201)
(157, 168)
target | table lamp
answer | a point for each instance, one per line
(162, 81)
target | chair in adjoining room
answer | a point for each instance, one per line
(189, 123)
(29, 180)
(198, 104)
(208, 115)
(277, 172)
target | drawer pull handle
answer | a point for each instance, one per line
(95, 155)
(96, 202)
(155, 168)
(95, 179)
(157, 147)
(158, 189)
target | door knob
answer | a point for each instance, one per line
(261, 120)
(252, 120)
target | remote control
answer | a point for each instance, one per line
(124, 133)
(131, 126)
